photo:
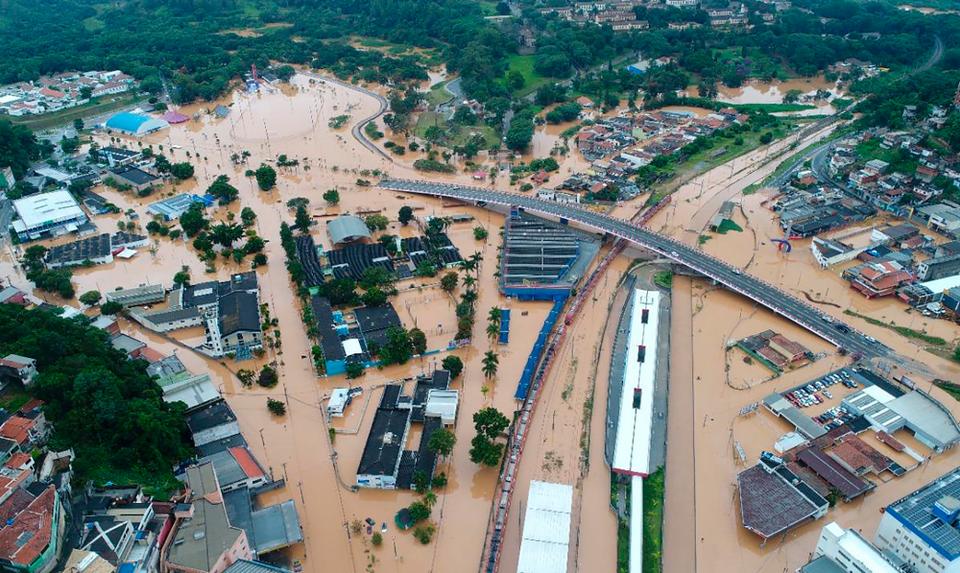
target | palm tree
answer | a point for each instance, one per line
(467, 265)
(475, 259)
(430, 499)
(490, 363)
(469, 282)
(226, 233)
(493, 323)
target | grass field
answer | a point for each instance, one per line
(653, 487)
(951, 389)
(901, 330)
(437, 94)
(531, 79)
(707, 159)
(66, 117)
(899, 160)
(455, 134)
(772, 107)
(663, 279)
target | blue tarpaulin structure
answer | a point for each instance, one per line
(504, 325)
(530, 369)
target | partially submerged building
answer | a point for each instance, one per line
(135, 124)
(228, 310)
(923, 528)
(171, 208)
(773, 500)
(47, 215)
(347, 229)
(888, 410)
(384, 463)
(137, 296)
(100, 249)
(543, 260)
(844, 550)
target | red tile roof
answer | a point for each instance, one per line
(151, 355)
(49, 92)
(29, 534)
(31, 405)
(790, 346)
(246, 462)
(17, 429)
(18, 461)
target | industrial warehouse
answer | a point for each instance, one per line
(868, 430)
(543, 260)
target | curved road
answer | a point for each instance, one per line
(357, 129)
(934, 58)
(766, 294)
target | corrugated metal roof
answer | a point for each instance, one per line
(246, 566)
(546, 528)
(347, 228)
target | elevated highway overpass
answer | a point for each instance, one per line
(770, 296)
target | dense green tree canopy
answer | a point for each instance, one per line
(101, 404)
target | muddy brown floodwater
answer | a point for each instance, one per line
(702, 525)
(756, 91)
(293, 121)
(701, 528)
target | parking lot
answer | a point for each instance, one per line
(821, 398)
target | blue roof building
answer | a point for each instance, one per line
(922, 528)
(136, 124)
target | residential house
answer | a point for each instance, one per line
(881, 279)
(34, 529)
(938, 267)
(202, 539)
(16, 368)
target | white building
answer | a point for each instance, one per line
(922, 528)
(339, 398)
(847, 551)
(544, 546)
(631, 452)
(51, 214)
(442, 404)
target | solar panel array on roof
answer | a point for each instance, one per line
(77, 252)
(917, 511)
(374, 321)
(307, 255)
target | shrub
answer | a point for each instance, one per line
(424, 533)
(268, 377)
(276, 407)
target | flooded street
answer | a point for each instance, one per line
(293, 121)
(702, 513)
(701, 526)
